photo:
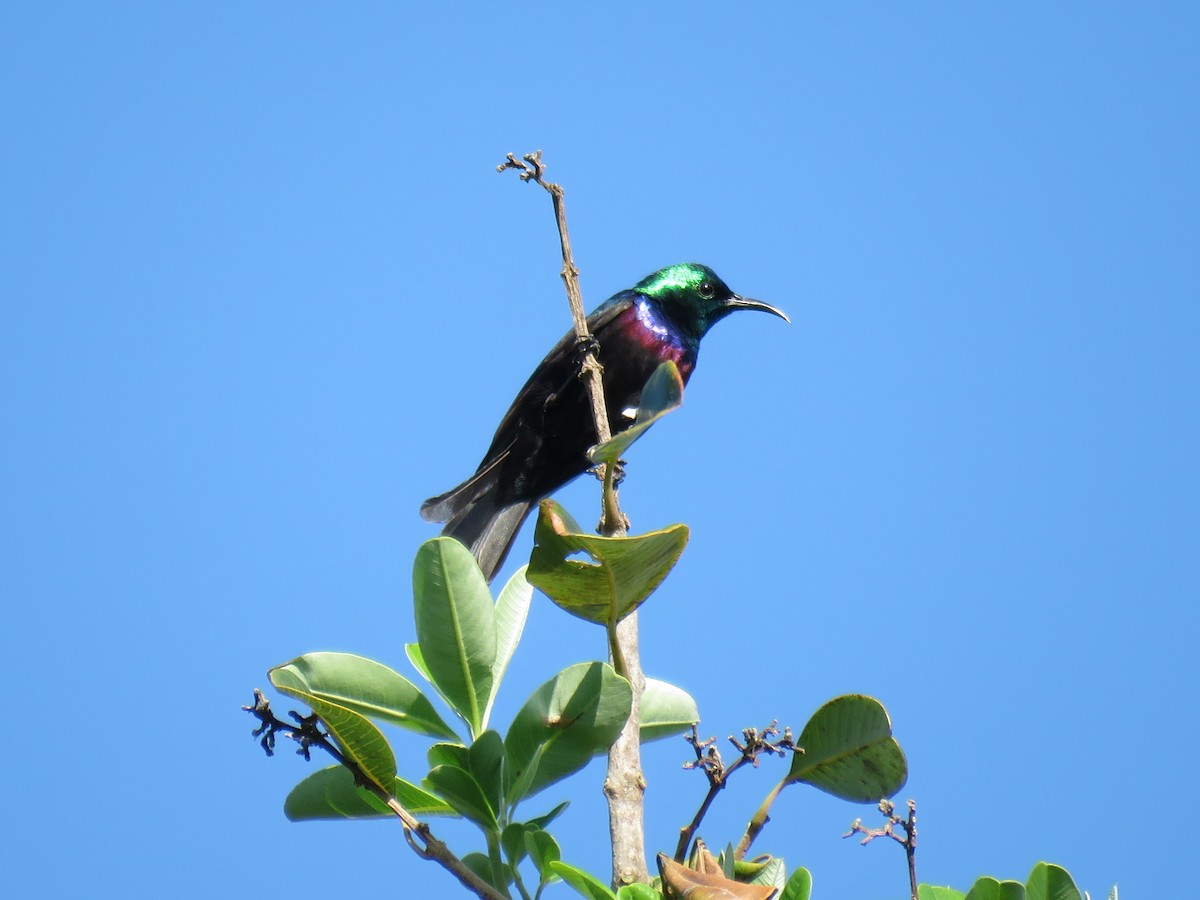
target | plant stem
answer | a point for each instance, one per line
(416, 833)
(624, 784)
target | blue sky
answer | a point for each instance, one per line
(264, 293)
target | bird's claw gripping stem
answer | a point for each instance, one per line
(585, 347)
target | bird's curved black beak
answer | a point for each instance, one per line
(736, 302)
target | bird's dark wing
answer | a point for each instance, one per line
(557, 375)
(538, 446)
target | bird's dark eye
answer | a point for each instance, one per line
(706, 290)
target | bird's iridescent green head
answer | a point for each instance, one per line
(694, 298)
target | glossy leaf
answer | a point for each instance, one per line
(512, 841)
(459, 788)
(563, 724)
(1050, 882)
(543, 850)
(931, 892)
(621, 574)
(359, 739)
(332, 794)
(413, 652)
(456, 627)
(638, 891)
(987, 888)
(370, 689)
(587, 885)
(665, 710)
(543, 821)
(512, 608)
(448, 754)
(798, 885)
(663, 393)
(849, 751)
(499, 875)
(485, 761)
(771, 871)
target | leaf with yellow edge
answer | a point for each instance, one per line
(620, 574)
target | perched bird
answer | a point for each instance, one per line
(543, 439)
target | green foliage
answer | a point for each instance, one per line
(362, 686)
(798, 886)
(465, 641)
(665, 711)
(991, 889)
(568, 720)
(622, 572)
(584, 884)
(360, 741)
(849, 751)
(456, 628)
(1045, 882)
(332, 794)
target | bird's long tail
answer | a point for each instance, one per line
(477, 518)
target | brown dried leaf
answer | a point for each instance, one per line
(688, 884)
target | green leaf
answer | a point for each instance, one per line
(1050, 882)
(638, 891)
(798, 886)
(459, 788)
(623, 572)
(930, 892)
(986, 888)
(512, 841)
(849, 751)
(512, 607)
(360, 741)
(583, 883)
(413, 652)
(499, 876)
(485, 760)
(665, 710)
(564, 723)
(772, 872)
(446, 754)
(543, 850)
(368, 688)
(543, 821)
(662, 394)
(456, 627)
(331, 794)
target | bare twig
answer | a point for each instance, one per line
(708, 760)
(417, 834)
(909, 841)
(624, 784)
(531, 168)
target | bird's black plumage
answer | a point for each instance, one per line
(543, 439)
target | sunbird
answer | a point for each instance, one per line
(543, 439)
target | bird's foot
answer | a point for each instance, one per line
(585, 347)
(618, 472)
